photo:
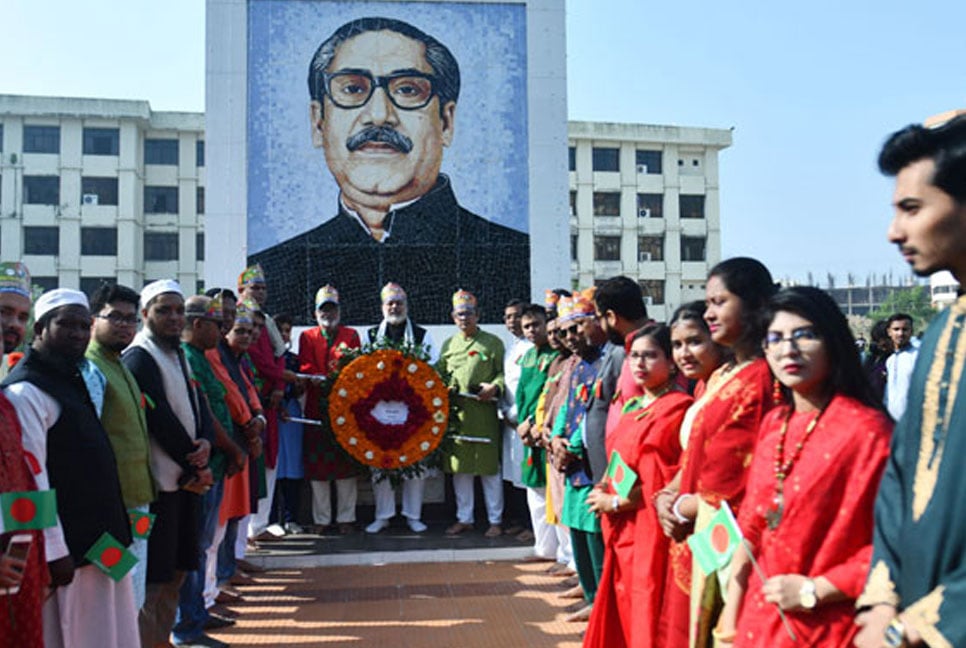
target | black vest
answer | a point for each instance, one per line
(395, 334)
(80, 459)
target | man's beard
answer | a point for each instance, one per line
(329, 322)
(396, 320)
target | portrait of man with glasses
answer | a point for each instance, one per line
(383, 107)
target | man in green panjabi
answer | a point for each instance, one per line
(916, 592)
(472, 364)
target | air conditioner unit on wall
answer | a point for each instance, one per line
(644, 213)
(89, 199)
(648, 300)
(642, 168)
(645, 256)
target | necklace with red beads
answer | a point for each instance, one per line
(782, 467)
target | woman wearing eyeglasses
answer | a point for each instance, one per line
(807, 514)
(721, 432)
(628, 603)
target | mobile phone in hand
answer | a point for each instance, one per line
(18, 548)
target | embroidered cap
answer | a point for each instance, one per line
(584, 304)
(565, 308)
(253, 274)
(550, 299)
(209, 308)
(159, 287)
(326, 295)
(392, 292)
(463, 300)
(14, 278)
(244, 313)
(59, 297)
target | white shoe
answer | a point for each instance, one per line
(416, 526)
(377, 526)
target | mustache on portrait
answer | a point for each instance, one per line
(380, 134)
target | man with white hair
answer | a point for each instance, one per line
(58, 395)
(398, 330)
(177, 424)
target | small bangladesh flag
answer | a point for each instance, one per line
(621, 476)
(111, 557)
(29, 510)
(714, 546)
(141, 523)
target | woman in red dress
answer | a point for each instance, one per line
(628, 602)
(807, 514)
(721, 435)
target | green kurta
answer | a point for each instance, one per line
(465, 363)
(534, 366)
(214, 392)
(920, 519)
(127, 429)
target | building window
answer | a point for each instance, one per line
(41, 190)
(41, 139)
(573, 247)
(200, 246)
(41, 240)
(200, 200)
(573, 203)
(607, 159)
(99, 241)
(98, 191)
(691, 206)
(650, 248)
(653, 290)
(89, 285)
(648, 162)
(572, 158)
(650, 205)
(101, 141)
(200, 153)
(1, 137)
(692, 248)
(607, 203)
(607, 248)
(44, 283)
(160, 246)
(161, 151)
(160, 200)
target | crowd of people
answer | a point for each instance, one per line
(624, 441)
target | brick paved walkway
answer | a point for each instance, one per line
(458, 605)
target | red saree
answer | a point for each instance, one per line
(826, 527)
(628, 602)
(714, 467)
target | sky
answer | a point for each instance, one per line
(810, 89)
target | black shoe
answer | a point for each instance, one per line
(217, 621)
(204, 641)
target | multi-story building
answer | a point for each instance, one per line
(644, 203)
(94, 189)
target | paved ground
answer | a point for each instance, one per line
(503, 604)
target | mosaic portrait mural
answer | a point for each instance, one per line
(388, 142)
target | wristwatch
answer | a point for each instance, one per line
(895, 634)
(806, 596)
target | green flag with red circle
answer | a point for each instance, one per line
(29, 510)
(141, 523)
(714, 545)
(111, 557)
(620, 476)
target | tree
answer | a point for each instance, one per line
(913, 301)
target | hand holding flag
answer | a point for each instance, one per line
(620, 476)
(111, 557)
(29, 510)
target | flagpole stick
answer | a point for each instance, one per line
(761, 575)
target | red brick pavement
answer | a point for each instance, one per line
(456, 605)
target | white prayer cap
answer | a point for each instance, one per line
(159, 287)
(59, 297)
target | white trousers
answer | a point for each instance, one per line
(565, 553)
(92, 612)
(545, 544)
(492, 495)
(512, 457)
(211, 565)
(412, 498)
(346, 493)
(259, 521)
(241, 540)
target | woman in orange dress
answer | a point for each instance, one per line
(628, 602)
(721, 435)
(807, 514)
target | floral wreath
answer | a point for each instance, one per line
(389, 410)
